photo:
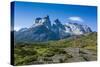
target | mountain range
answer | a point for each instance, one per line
(44, 30)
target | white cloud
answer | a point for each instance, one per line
(75, 18)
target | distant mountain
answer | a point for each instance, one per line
(43, 30)
(77, 29)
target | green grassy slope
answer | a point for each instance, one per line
(74, 49)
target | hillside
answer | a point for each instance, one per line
(73, 49)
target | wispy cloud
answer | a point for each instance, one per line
(76, 18)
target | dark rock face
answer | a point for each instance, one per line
(39, 33)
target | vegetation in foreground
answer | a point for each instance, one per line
(74, 49)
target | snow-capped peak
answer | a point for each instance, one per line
(42, 30)
(42, 21)
(78, 29)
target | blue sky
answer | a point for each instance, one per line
(26, 12)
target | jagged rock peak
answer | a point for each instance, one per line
(78, 28)
(57, 22)
(38, 20)
(42, 20)
(46, 22)
(47, 17)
